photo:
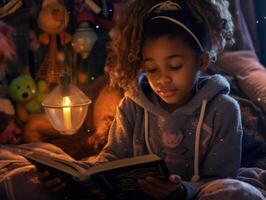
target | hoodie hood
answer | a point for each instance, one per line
(208, 87)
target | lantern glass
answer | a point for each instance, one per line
(66, 111)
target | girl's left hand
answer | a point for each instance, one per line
(158, 188)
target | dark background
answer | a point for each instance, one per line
(24, 20)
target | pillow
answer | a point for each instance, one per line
(249, 72)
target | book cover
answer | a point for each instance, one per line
(111, 180)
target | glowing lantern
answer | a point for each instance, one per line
(66, 106)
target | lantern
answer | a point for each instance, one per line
(66, 106)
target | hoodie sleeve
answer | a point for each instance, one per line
(119, 143)
(190, 189)
(223, 156)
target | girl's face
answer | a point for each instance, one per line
(172, 68)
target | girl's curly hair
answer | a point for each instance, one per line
(123, 63)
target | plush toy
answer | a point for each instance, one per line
(10, 133)
(52, 19)
(27, 95)
(7, 54)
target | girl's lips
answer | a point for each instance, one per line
(167, 93)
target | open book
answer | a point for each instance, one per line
(110, 180)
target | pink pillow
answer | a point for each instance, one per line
(249, 72)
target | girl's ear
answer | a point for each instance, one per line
(204, 61)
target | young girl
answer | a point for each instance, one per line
(156, 54)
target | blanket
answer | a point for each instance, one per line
(18, 179)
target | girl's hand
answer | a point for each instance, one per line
(163, 189)
(51, 184)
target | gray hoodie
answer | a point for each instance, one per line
(199, 141)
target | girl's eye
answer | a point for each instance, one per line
(175, 67)
(151, 70)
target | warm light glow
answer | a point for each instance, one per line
(67, 112)
(66, 107)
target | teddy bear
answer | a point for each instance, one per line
(27, 96)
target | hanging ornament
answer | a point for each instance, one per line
(84, 39)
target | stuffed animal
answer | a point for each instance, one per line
(27, 95)
(7, 54)
(10, 132)
(52, 19)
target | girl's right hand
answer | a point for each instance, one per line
(158, 188)
(51, 184)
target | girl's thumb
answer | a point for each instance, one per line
(175, 178)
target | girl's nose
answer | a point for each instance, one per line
(164, 79)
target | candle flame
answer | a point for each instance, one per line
(67, 112)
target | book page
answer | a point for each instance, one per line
(80, 167)
(121, 182)
(118, 164)
(62, 165)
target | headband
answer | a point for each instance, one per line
(175, 13)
